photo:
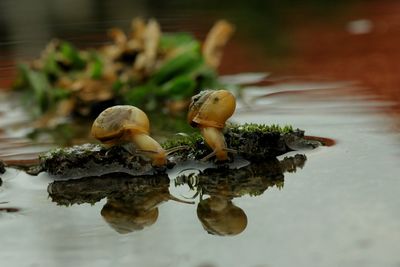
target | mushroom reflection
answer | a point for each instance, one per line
(217, 213)
(132, 201)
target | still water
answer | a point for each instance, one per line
(340, 206)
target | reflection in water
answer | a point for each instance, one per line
(15, 125)
(133, 201)
(8, 209)
(252, 179)
(217, 213)
(134, 213)
(2, 168)
(125, 217)
(219, 216)
(364, 207)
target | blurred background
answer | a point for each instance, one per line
(321, 39)
(334, 72)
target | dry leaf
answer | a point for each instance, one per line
(215, 41)
(146, 60)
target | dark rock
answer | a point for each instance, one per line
(253, 142)
(91, 159)
(2, 167)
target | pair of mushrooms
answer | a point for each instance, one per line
(208, 111)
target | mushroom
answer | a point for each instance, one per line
(124, 123)
(209, 111)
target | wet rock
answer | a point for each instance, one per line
(91, 159)
(253, 142)
(2, 170)
(34, 170)
(298, 142)
(2, 167)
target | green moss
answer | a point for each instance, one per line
(195, 148)
(92, 159)
(252, 142)
(260, 128)
(193, 139)
(183, 140)
(72, 152)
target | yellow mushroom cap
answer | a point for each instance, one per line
(211, 108)
(116, 123)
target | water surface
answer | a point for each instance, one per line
(340, 209)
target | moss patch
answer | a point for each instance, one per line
(260, 128)
(254, 142)
(91, 159)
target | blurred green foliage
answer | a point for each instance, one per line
(177, 78)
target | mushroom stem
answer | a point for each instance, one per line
(150, 147)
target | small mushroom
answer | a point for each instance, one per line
(121, 124)
(209, 111)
